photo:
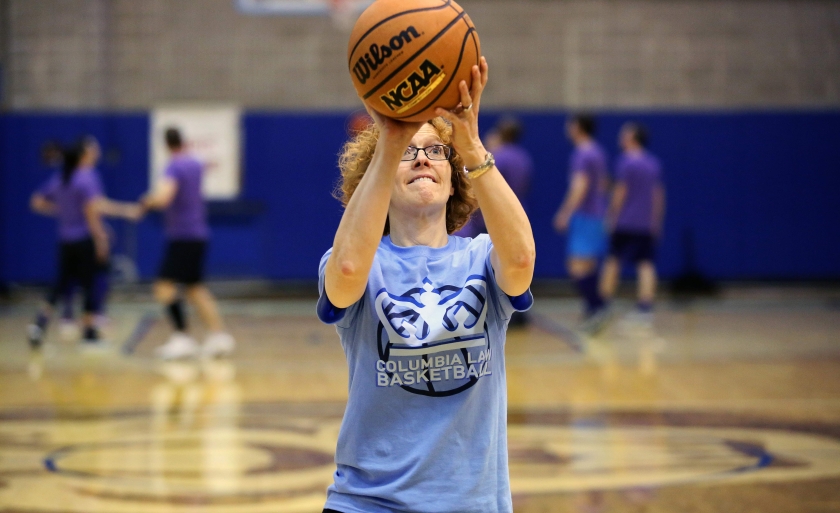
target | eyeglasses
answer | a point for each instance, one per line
(433, 152)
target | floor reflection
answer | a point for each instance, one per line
(616, 451)
(198, 397)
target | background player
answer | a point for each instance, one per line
(581, 214)
(635, 216)
(178, 195)
(516, 166)
(74, 196)
(108, 208)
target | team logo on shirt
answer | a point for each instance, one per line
(433, 340)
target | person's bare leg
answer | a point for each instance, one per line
(205, 303)
(180, 345)
(580, 267)
(609, 277)
(165, 291)
(218, 342)
(647, 282)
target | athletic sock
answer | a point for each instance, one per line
(176, 315)
(588, 288)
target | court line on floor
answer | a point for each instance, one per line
(141, 329)
(569, 336)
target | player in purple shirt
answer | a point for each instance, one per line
(635, 216)
(581, 214)
(178, 195)
(74, 197)
(513, 161)
(53, 157)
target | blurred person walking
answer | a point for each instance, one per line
(74, 196)
(581, 215)
(634, 217)
(178, 195)
(513, 162)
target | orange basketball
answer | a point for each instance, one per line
(407, 57)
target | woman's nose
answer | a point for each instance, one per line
(422, 160)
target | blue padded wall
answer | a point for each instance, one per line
(756, 192)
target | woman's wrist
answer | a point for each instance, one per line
(474, 157)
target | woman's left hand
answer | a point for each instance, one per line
(464, 118)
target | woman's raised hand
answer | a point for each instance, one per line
(464, 117)
(394, 131)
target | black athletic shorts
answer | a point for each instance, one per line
(77, 260)
(77, 265)
(183, 261)
(633, 246)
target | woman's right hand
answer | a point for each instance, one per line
(394, 131)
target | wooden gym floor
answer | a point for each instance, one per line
(727, 404)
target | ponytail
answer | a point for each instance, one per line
(72, 157)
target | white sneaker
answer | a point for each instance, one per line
(218, 344)
(178, 346)
(35, 335)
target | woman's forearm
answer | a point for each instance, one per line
(360, 229)
(510, 231)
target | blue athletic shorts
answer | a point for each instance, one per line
(587, 237)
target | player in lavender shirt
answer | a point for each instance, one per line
(178, 195)
(74, 197)
(635, 215)
(513, 161)
(581, 214)
(53, 158)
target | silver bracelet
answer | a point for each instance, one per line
(475, 172)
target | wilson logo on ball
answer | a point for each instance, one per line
(379, 53)
(413, 89)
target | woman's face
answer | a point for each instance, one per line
(423, 183)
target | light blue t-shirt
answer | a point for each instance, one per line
(425, 429)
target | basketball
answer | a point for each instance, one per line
(407, 57)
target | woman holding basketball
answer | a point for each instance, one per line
(422, 315)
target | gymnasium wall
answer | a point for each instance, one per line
(742, 98)
(130, 54)
(750, 195)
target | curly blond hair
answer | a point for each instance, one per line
(356, 156)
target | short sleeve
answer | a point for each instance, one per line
(620, 170)
(171, 171)
(575, 164)
(90, 188)
(586, 164)
(327, 312)
(507, 304)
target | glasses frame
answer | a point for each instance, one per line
(447, 152)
